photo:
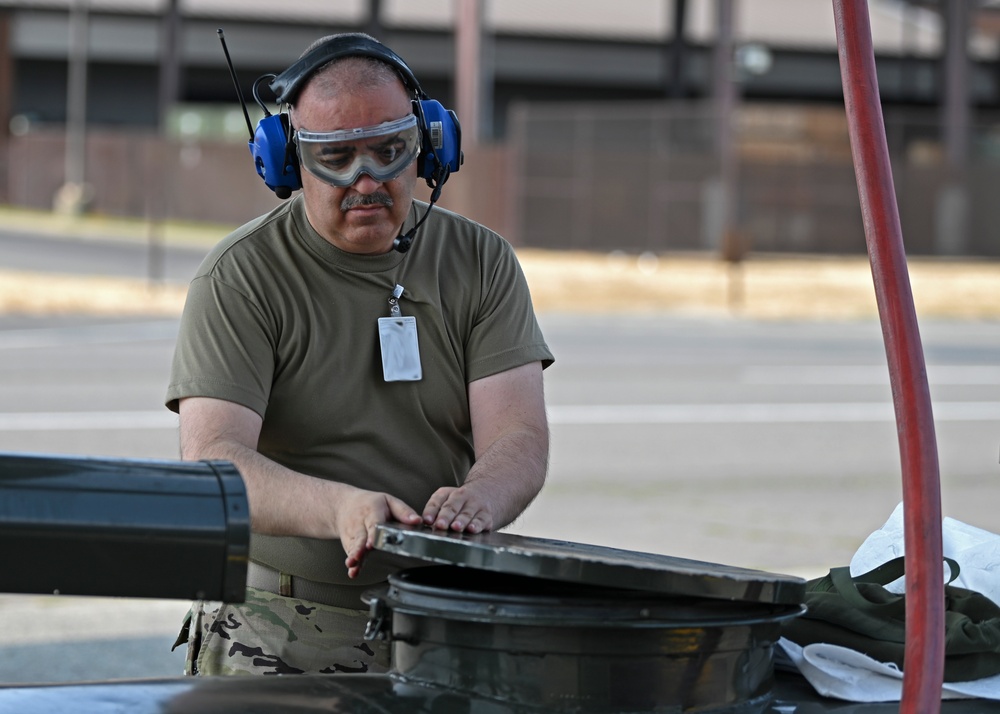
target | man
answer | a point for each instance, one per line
(353, 384)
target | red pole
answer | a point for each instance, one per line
(923, 668)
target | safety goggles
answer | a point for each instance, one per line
(340, 157)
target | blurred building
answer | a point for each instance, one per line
(596, 125)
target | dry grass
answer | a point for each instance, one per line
(760, 288)
(41, 294)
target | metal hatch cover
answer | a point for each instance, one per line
(590, 564)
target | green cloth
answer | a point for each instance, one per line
(860, 614)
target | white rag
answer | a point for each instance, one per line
(846, 674)
(976, 551)
(852, 676)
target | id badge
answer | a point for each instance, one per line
(400, 353)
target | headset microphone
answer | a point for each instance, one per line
(403, 242)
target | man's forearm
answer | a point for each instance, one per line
(511, 472)
(282, 501)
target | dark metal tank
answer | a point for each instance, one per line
(568, 627)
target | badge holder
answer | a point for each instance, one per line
(397, 335)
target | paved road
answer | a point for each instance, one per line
(142, 259)
(768, 445)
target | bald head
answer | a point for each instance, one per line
(348, 75)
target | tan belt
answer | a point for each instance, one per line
(266, 578)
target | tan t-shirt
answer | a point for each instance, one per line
(281, 321)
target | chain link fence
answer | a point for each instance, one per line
(649, 177)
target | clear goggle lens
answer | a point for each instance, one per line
(340, 157)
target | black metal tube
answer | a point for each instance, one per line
(129, 528)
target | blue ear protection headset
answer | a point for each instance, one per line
(272, 147)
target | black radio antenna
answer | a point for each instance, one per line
(239, 92)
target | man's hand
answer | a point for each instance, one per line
(357, 514)
(458, 509)
(284, 502)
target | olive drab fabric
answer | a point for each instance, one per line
(860, 614)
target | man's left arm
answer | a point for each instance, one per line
(511, 437)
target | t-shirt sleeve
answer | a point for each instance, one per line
(505, 334)
(224, 350)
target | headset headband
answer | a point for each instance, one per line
(287, 85)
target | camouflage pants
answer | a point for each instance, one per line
(271, 634)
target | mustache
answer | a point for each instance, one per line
(371, 199)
